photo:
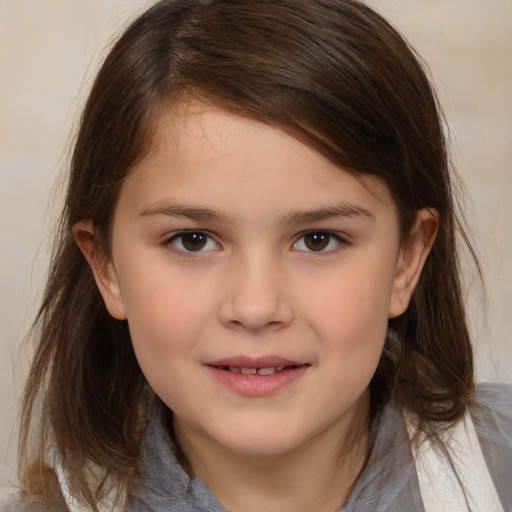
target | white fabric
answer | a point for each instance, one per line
(72, 504)
(107, 505)
(440, 473)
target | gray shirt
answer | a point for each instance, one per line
(387, 483)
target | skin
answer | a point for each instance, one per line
(257, 289)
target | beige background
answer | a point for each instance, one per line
(48, 46)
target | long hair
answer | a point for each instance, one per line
(333, 74)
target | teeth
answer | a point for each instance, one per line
(253, 371)
(248, 371)
(266, 371)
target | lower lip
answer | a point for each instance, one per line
(255, 384)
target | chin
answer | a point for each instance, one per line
(262, 447)
(261, 441)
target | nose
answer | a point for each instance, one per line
(255, 295)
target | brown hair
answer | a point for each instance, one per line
(333, 74)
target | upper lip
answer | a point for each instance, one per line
(255, 362)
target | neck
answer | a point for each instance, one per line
(317, 475)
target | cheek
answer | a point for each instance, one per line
(354, 302)
(350, 316)
(164, 331)
(165, 318)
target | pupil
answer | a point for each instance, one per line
(194, 241)
(317, 241)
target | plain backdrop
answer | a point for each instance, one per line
(49, 51)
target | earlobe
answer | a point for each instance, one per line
(102, 268)
(411, 260)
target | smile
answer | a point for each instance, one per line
(270, 370)
(253, 378)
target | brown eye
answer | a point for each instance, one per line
(193, 241)
(318, 241)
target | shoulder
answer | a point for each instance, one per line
(492, 413)
(492, 417)
(493, 405)
(494, 391)
(17, 503)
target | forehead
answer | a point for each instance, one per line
(203, 154)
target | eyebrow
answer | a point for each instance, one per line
(344, 210)
(177, 210)
(199, 213)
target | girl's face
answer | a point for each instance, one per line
(257, 279)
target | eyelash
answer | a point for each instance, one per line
(331, 237)
(179, 236)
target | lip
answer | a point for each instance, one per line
(255, 362)
(256, 385)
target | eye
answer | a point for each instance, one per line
(193, 241)
(318, 241)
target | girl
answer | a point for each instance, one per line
(255, 301)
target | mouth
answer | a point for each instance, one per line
(253, 370)
(262, 376)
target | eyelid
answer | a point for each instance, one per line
(338, 239)
(183, 251)
(341, 242)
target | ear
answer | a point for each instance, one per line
(102, 268)
(411, 259)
